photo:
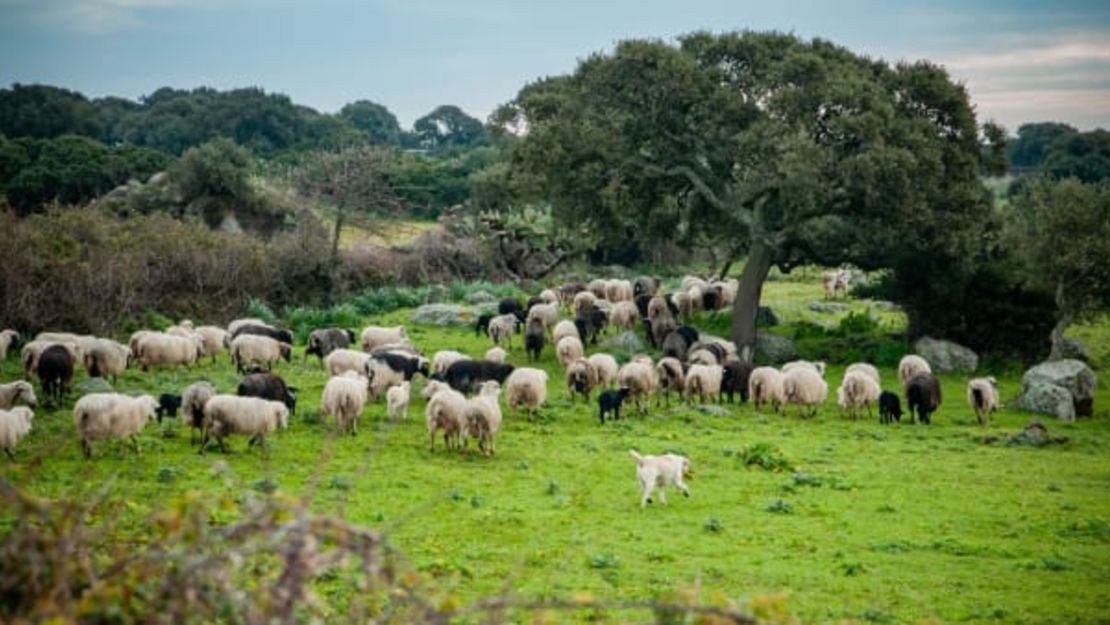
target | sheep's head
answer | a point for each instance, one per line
(687, 468)
(286, 351)
(27, 392)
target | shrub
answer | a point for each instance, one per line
(763, 455)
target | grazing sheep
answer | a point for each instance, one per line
(481, 326)
(659, 328)
(373, 336)
(581, 378)
(835, 282)
(568, 291)
(168, 404)
(15, 391)
(866, 369)
(549, 296)
(606, 368)
(704, 381)
(659, 471)
(55, 371)
(344, 397)
(467, 374)
(568, 350)
(671, 376)
(564, 328)
(324, 341)
(7, 339)
(79, 340)
(923, 394)
(405, 363)
(526, 387)
(254, 349)
(225, 415)
(510, 306)
(249, 321)
(166, 350)
(446, 410)
(14, 425)
(193, 400)
(818, 366)
(138, 337)
(535, 337)
(496, 354)
(737, 374)
(645, 285)
(619, 291)
(639, 377)
(890, 408)
(31, 352)
(684, 300)
(689, 282)
(624, 315)
(397, 401)
(590, 324)
(104, 415)
(597, 287)
(610, 401)
(858, 389)
(657, 308)
(982, 396)
(805, 388)
(911, 365)
(268, 386)
(548, 313)
(675, 346)
(445, 358)
(712, 351)
(702, 356)
(382, 376)
(105, 358)
(502, 328)
(213, 340)
(765, 386)
(342, 360)
(280, 335)
(483, 416)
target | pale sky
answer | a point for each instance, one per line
(1022, 60)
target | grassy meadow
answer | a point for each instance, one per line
(833, 519)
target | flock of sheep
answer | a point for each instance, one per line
(383, 362)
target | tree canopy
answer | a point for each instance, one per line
(376, 121)
(448, 126)
(762, 144)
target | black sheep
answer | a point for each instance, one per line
(465, 375)
(923, 394)
(404, 364)
(55, 370)
(690, 333)
(167, 406)
(642, 305)
(278, 334)
(509, 305)
(645, 285)
(534, 301)
(735, 379)
(650, 335)
(268, 386)
(482, 326)
(890, 408)
(675, 345)
(535, 337)
(673, 307)
(711, 299)
(610, 401)
(590, 323)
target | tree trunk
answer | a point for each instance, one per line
(1063, 320)
(745, 308)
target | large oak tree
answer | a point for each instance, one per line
(761, 145)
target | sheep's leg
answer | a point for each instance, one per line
(682, 486)
(86, 448)
(663, 494)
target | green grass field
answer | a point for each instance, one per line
(859, 522)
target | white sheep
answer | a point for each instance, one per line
(14, 425)
(344, 397)
(858, 389)
(397, 401)
(30, 353)
(374, 336)
(104, 415)
(911, 365)
(549, 296)
(765, 386)
(445, 358)
(597, 287)
(606, 368)
(689, 282)
(639, 376)
(624, 315)
(496, 354)
(684, 301)
(805, 388)
(704, 381)
(657, 308)
(671, 378)
(80, 340)
(252, 349)
(619, 291)
(817, 366)
(564, 328)
(581, 377)
(15, 391)
(502, 327)
(568, 350)
(982, 396)
(167, 350)
(213, 340)
(381, 377)
(547, 313)
(483, 416)
(866, 369)
(7, 338)
(341, 360)
(702, 357)
(446, 410)
(105, 358)
(584, 301)
(193, 400)
(225, 415)
(527, 387)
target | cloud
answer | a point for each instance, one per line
(1073, 50)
